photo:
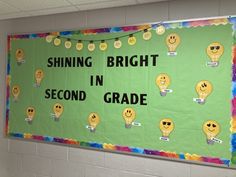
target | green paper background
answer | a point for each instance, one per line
(185, 70)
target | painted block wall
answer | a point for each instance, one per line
(30, 159)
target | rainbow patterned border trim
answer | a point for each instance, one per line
(233, 119)
(184, 24)
(111, 147)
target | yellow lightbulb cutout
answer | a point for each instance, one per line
(93, 121)
(15, 92)
(131, 40)
(57, 41)
(211, 129)
(163, 82)
(203, 89)
(39, 75)
(57, 110)
(68, 44)
(172, 41)
(91, 46)
(20, 56)
(103, 45)
(147, 35)
(49, 38)
(214, 51)
(117, 43)
(128, 115)
(79, 45)
(160, 30)
(166, 126)
(30, 112)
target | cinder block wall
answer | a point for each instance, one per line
(30, 159)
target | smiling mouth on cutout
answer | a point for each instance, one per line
(93, 120)
(211, 130)
(129, 115)
(214, 51)
(163, 82)
(170, 41)
(15, 91)
(202, 89)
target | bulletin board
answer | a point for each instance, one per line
(164, 90)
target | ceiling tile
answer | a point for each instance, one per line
(53, 11)
(9, 8)
(27, 5)
(5, 8)
(106, 4)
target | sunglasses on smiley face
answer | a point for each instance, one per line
(166, 123)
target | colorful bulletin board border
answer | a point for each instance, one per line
(135, 150)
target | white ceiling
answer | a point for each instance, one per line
(25, 8)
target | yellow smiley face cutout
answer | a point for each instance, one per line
(39, 75)
(204, 89)
(93, 120)
(30, 112)
(58, 110)
(129, 116)
(166, 126)
(172, 41)
(211, 128)
(16, 91)
(163, 82)
(20, 55)
(215, 50)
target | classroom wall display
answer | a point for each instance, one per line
(163, 90)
